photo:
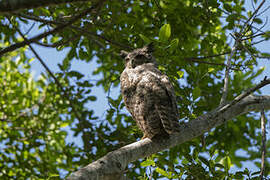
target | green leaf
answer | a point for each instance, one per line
(174, 44)
(204, 160)
(92, 98)
(145, 39)
(64, 124)
(219, 165)
(65, 64)
(226, 162)
(211, 70)
(53, 176)
(180, 74)
(162, 172)
(148, 162)
(196, 93)
(266, 54)
(255, 173)
(164, 32)
(238, 175)
(258, 20)
(76, 74)
(266, 35)
(54, 39)
(227, 7)
(83, 54)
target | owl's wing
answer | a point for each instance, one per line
(127, 90)
(165, 104)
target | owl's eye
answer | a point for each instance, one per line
(139, 56)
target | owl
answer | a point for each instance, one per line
(148, 94)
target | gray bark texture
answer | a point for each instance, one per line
(114, 163)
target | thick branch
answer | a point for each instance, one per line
(115, 162)
(16, 5)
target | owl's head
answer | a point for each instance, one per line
(139, 56)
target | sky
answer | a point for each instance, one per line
(53, 57)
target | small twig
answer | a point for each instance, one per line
(262, 57)
(238, 39)
(258, 42)
(252, 36)
(253, 14)
(252, 18)
(158, 6)
(263, 147)
(29, 29)
(59, 43)
(260, 29)
(207, 57)
(243, 46)
(43, 35)
(82, 30)
(108, 96)
(254, 27)
(253, 5)
(198, 60)
(263, 83)
(151, 172)
(264, 10)
(227, 75)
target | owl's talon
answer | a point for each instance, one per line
(143, 137)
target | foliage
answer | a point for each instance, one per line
(36, 116)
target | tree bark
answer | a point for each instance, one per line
(16, 5)
(114, 163)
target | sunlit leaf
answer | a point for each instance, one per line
(165, 32)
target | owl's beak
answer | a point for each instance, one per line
(123, 54)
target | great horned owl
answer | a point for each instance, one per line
(148, 94)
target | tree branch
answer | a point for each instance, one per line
(115, 162)
(43, 35)
(263, 147)
(16, 5)
(227, 75)
(81, 30)
(238, 39)
(201, 60)
(59, 43)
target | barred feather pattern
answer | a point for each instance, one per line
(148, 95)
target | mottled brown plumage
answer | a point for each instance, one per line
(148, 94)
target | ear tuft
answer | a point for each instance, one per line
(150, 47)
(123, 54)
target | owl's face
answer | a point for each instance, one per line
(138, 56)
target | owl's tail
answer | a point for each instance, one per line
(169, 121)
